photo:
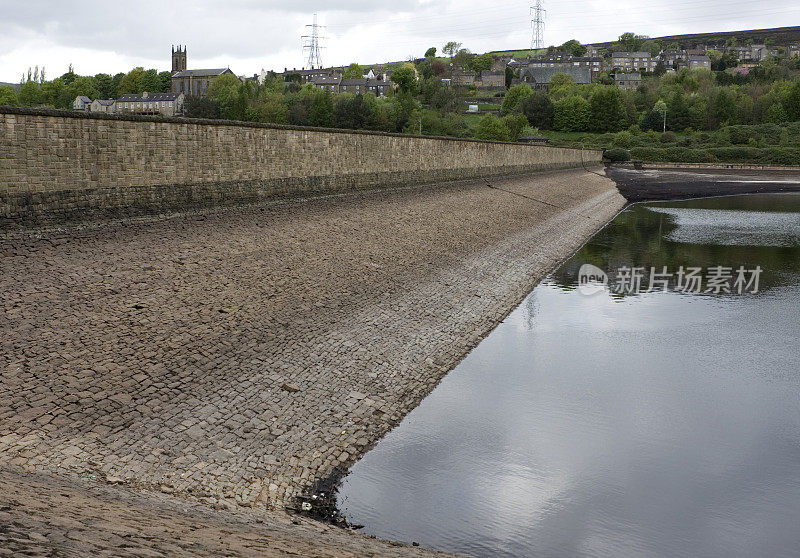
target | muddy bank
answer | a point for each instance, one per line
(677, 184)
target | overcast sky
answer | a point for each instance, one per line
(248, 35)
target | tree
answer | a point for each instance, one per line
(30, 94)
(725, 107)
(606, 110)
(430, 53)
(791, 103)
(105, 86)
(166, 81)
(463, 58)
(82, 85)
(515, 124)
(352, 112)
(652, 121)
(653, 46)
(151, 82)
(512, 102)
(132, 82)
(224, 90)
(538, 109)
(571, 114)
(573, 47)
(631, 41)
(55, 94)
(560, 81)
(425, 68)
(405, 77)
(491, 128)
(272, 109)
(438, 68)
(200, 107)
(481, 62)
(320, 113)
(353, 71)
(451, 48)
(69, 76)
(8, 96)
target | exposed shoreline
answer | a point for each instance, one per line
(419, 277)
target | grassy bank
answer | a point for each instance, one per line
(771, 144)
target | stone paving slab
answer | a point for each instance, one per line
(55, 516)
(239, 357)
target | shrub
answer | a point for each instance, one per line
(669, 137)
(491, 128)
(622, 139)
(515, 124)
(538, 109)
(617, 154)
(571, 114)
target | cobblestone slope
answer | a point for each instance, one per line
(238, 357)
(54, 516)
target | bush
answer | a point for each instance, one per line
(515, 124)
(491, 128)
(669, 137)
(538, 109)
(622, 139)
(735, 155)
(571, 114)
(617, 154)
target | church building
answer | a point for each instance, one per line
(191, 82)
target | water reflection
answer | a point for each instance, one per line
(653, 425)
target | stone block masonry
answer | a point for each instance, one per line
(59, 167)
(244, 355)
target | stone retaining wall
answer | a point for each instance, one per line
(58, 167)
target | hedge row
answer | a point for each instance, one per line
(741, 155)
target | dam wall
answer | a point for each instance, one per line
(58, 167)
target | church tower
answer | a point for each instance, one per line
(178, 59)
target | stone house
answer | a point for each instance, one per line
(490, 80)
(379, 87)
(633, 61)
(327, 83)
(81, 102)
(539, 78)
(462, 77)
(628, 82)
(673, 58)
(793, 51)
(595, 64)
(164, 104)
(353, 85)
(103, 105)
(699, 62)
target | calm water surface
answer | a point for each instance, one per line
(659, 424)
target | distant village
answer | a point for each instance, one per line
(625, 68)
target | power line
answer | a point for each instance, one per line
(312, 45)
(537, 26)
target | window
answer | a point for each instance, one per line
(170, 104)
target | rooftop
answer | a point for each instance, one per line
(201, 73)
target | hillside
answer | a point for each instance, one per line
(781, 36)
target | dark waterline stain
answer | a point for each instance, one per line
(658, 424)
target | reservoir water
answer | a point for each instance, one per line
(626, 422)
